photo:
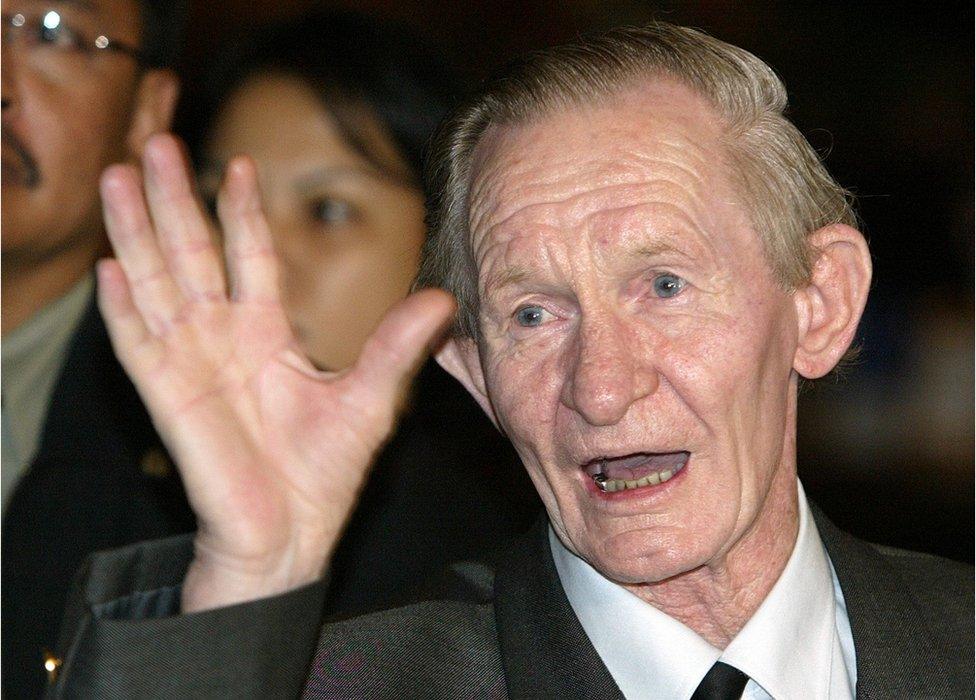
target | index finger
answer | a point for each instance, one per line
(129, 230)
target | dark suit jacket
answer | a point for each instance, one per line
(447, 487)
(507, 633)
(100, 479)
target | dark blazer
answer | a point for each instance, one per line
(100, 479)
(447, 487)
(507, 632)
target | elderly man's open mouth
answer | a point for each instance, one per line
(635, 471)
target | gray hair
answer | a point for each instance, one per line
(788, 191)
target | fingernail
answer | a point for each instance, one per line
(112, 181)
(154, 155)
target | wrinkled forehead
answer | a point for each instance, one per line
(657, 141)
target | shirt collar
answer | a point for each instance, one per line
(52, 325)
(786, 647)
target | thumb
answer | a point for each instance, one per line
(404, 338)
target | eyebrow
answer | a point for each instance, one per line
(509, 276)
(516, 274)
(657, 249)
(513, 274)
(214, 167)
(327, 175)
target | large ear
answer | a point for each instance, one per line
(459, 357)
(155, 104)
(829, 307)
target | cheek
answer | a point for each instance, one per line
(734, 376)
(345, 287)
(732, 353)
(756, 352)
(73, 136)
(524, 383)
(85, 129)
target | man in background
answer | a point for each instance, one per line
(84, 85)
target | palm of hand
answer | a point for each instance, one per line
(271, 419)
(272, 451)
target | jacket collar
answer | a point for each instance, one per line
(545, 652)
(94, 404)
(895, 654)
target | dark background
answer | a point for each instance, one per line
(885, 92)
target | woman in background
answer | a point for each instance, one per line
(336, 111)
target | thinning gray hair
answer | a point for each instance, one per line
(788, 192)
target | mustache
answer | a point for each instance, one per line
(31, 173)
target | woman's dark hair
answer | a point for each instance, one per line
(352, 62)
(163, 28)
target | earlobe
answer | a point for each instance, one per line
(459, 357)
(155, 104)
(829, 307)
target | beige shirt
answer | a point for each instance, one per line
(33, 356)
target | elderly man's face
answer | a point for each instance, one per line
(634, 333)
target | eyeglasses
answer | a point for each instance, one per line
(51, 36)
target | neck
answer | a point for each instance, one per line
(718, 599)
(29, 287)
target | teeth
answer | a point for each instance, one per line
(652, 479)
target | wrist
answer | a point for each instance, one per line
(216, 580)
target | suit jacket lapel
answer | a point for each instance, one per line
(895, 656)
(545, 652)
(84, 491)
(93, 404)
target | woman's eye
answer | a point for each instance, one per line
(333, 211)
(530, 316)
(668, 285)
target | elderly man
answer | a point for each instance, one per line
(84, 85)
(647, 258)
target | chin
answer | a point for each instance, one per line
(649, 555)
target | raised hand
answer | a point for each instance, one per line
(273, 452)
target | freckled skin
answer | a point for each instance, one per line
(577, 214)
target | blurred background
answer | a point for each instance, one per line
(885, 92)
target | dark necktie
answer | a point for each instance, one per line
(722, 682)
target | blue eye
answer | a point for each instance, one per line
(530, 316)
(668, 285)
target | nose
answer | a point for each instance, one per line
(608, 373)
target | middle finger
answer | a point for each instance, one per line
(181, 225)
